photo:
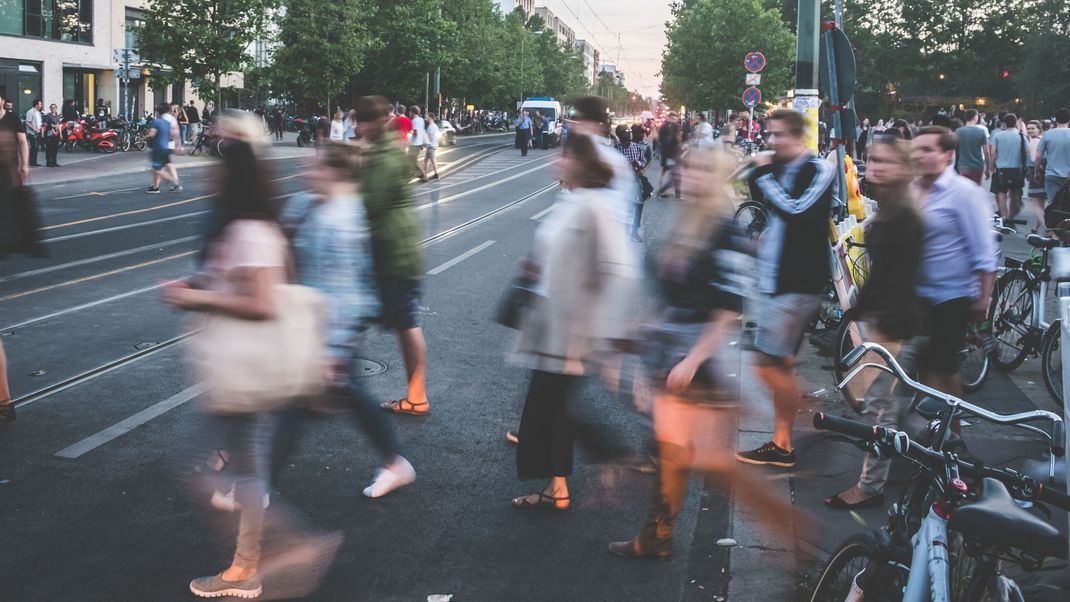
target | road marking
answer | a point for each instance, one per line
(77, 308)
(461, 195)
(538, 216)
(458, 259)
(470, 180)
(95, 276)
(89, 260)
(132, 212)
(125, 227)
(121, 428)
(104, 193)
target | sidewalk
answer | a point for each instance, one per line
(82, 165)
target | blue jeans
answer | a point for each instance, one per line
(183, 132)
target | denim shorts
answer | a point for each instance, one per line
(782, 321)
(160, 158)
(400, 302)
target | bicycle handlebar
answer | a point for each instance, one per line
(1058, 442)
(897, 442)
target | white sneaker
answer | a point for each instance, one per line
(387, 479)
(227, 503)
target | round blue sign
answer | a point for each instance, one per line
(754, 62)
(751, 97)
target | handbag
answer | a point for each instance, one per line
(518, 298)
(20, 223)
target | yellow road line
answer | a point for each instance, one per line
(95, 276)
(131, 212)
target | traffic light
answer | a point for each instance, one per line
(1005, 74)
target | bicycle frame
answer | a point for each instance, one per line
(929, 565)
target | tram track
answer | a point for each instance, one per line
(90, 374)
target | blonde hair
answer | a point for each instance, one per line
(246, 127)
(704, 210)
(900, 192)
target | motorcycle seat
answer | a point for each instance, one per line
(995, 518)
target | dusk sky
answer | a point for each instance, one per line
(641, 25)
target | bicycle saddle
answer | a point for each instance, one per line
(1041, 242)
(995, 518)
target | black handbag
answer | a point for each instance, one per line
(20, 224)
(515, 302)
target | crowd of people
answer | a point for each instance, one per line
(315, 270)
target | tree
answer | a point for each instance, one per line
(702, 66)
(202, 40)
(323, 48)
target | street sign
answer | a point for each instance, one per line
(844, 56)
(751, 97)
(131, 73)
(125, 55)
(754, 62)
(754, 79)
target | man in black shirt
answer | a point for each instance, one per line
(194, 118)
(670, 142)
(50, 129)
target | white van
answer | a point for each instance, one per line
(551, 111)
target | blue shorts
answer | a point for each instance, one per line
(161, 157)
(782, 322)
(400, 302)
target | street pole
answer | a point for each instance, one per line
(806, 99)
(427, 89)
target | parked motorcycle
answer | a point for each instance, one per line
(85, 134)
(306, 131)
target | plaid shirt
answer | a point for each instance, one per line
(634, 154)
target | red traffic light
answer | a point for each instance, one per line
(1005, 74)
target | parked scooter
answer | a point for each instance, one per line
(85, 134)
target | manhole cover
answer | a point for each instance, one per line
(363, 368)
(38, 373)
(145, 345)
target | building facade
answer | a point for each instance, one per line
(508, 6)
(564, 33)
(63, 50)
(590, 59)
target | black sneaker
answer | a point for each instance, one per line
(769, 454)
(153, 190)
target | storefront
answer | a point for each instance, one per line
(80, 85)
(20, 82)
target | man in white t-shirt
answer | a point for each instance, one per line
(170, 167)
(432, 147)
(703, 132)
(417, 140)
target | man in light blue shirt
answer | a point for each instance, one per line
(523, 132)
(958, 263)
(1007, 163)
(1054, 151)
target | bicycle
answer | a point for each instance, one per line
(944, 539)
(1017, 316)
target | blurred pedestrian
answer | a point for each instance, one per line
(538, 122)
(17, 233)
(33, 130)
(523, 132)
(904, 130)
(333, 254)
(431, 149)
(183, 122)
(636, 158)
(194, 117)
(246, 258)
(972, 154)
(1035, 174)
(52, 128)
(958, 262)
(670, 141)
(417, 141)
(703, 274)
(70, 111)
(862, 140)
(585, 277)
(793, 269)
(591, 120)
(395, 235)
(338, 128)
(351, 127)
(1054, 152)
(278, 119)
(888, 307)
(1007, 164)
(163, 135)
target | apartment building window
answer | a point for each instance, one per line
(63, 20)
(135, 20)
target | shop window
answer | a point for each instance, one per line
(11, 16)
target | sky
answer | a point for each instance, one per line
(640, 25)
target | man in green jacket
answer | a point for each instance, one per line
(395, 233)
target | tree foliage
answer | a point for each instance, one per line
(202, 40)
(321, 49)
(702, 66)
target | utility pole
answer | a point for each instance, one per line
(806, 98)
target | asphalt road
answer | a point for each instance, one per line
(90, 506)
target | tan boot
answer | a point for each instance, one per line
(655, 538)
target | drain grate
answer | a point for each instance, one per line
(363, 367)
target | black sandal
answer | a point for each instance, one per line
(404, 406)
(544, 500)
(838, 502)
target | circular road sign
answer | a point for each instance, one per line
(751, 97)
(754, 62)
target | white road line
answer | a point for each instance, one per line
(101, 193)
(77, 308)
(89, 260)
(485, 186)
(538, 216)
(125, 227)
(458, 259)
(121, 428)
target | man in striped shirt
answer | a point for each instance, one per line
(636, 156)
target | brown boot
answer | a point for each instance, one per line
(655, 538)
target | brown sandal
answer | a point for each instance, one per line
(404, 406)
(543, 500)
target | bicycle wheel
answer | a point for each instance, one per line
(1010, 312)
(855, 555)
(973, 369)
(849, 334)
(1051, 361)
(750, 217)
